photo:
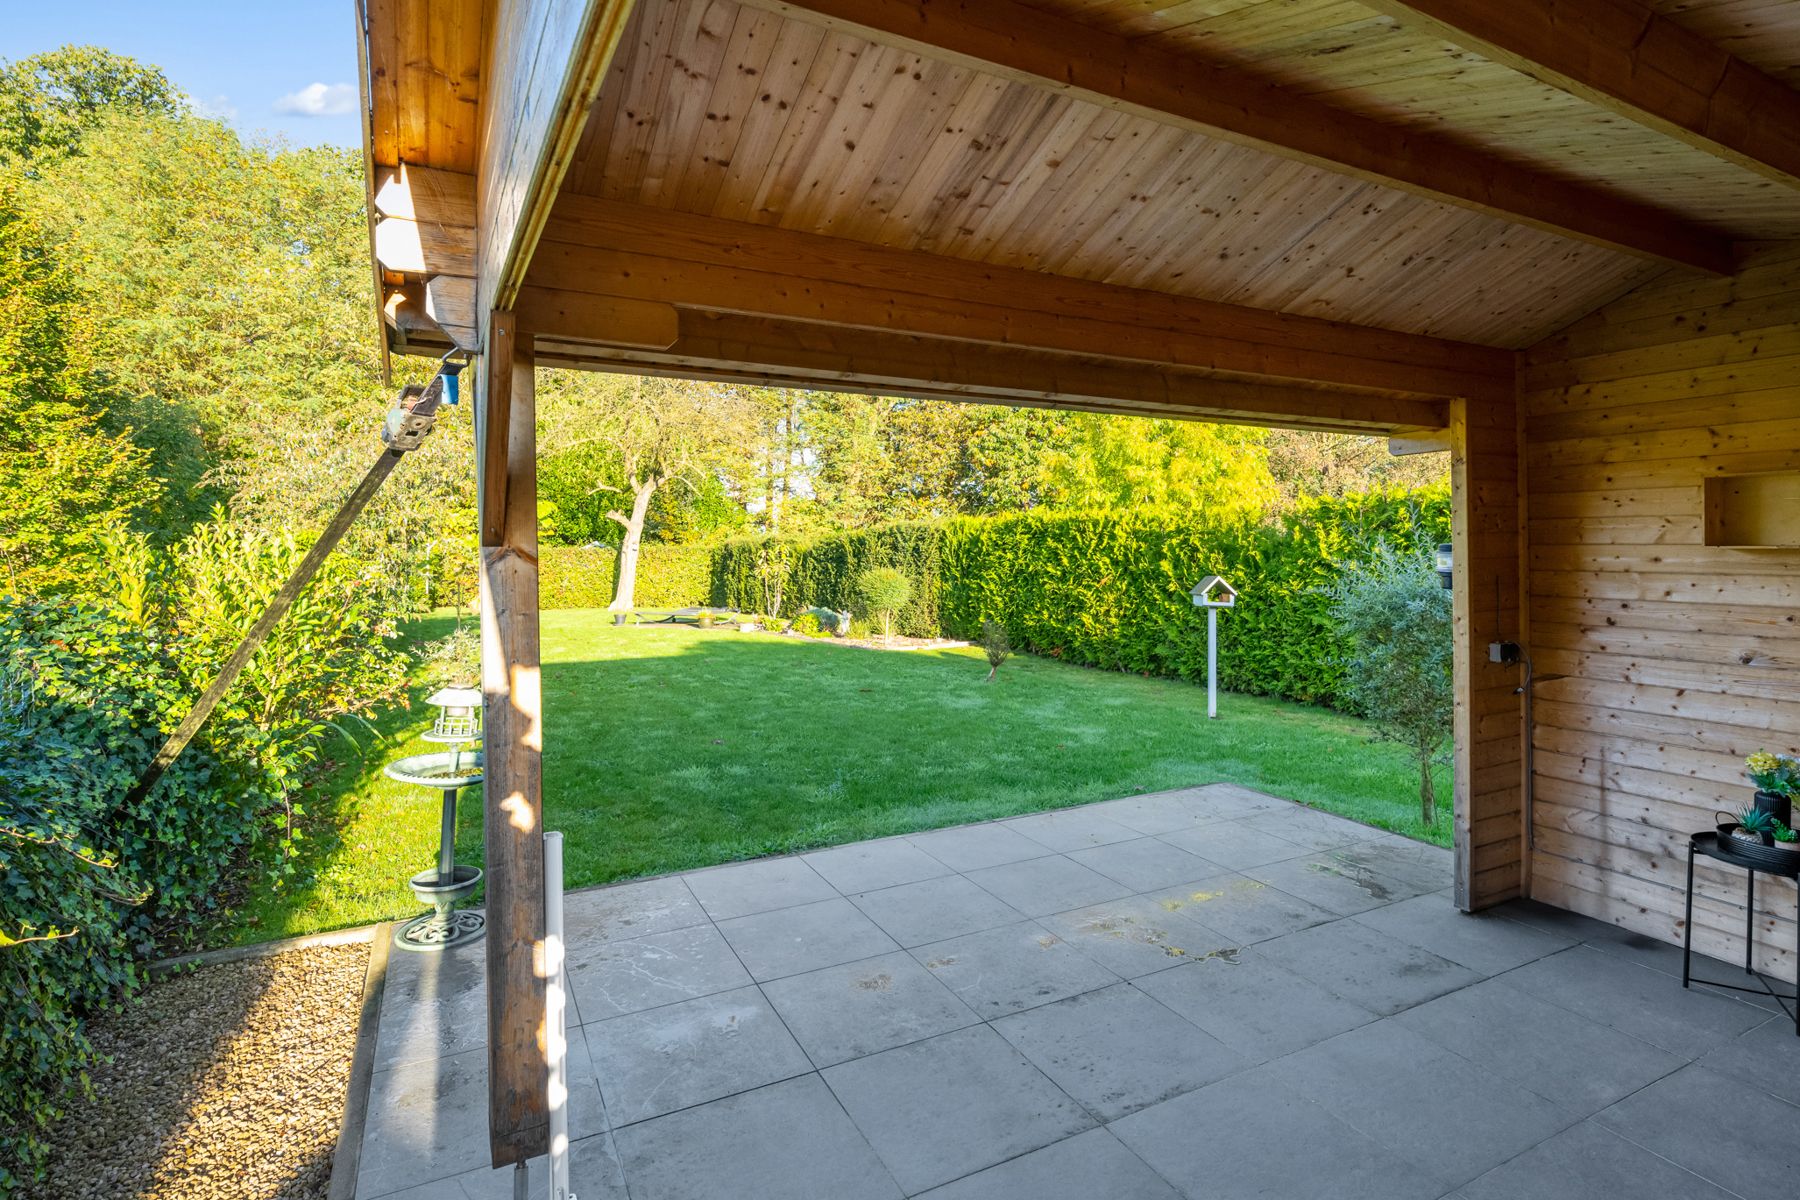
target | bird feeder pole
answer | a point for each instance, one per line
(1212, 662)
(1212, 594)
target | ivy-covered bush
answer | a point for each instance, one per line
(668, 576)
(90, 882)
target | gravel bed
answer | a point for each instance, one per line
(225, 1081)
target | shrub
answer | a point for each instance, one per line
(669, 576)
(1395, 620)
(90, 882)
(807, 625)
(883, 591)
(786, 577)
(997, 645)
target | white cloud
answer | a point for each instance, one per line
(319, 100)
(219, 108)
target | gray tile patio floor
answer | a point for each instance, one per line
(1204, 993)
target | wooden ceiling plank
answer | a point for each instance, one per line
(755, 37)
(899, 364)
(757, 270)
(1223, 100)
(1631, 61)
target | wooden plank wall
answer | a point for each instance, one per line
(1489, 754)
(1675, 659)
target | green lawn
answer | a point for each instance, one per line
(672, 747)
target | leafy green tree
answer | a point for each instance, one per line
(1395, 618)
(663, 433)
(48, 101)
(1122, 462)
(68, 474)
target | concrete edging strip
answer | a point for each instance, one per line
(347, 1158)
(230, 954)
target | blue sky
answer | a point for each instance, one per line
(274, 66)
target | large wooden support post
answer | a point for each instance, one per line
(1489, 755)
(518, 1119)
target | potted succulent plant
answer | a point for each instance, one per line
(1755, 826)
(1786, 839)
(1777, 779)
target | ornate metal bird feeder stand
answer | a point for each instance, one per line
(458, 726)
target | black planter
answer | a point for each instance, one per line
(1779, 807)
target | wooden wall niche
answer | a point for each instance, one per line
(1754, 512)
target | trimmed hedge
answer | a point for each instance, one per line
(1110, 589)
(668, 576)
(823, 573)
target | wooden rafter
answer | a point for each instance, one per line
(803, 354)
(1019, 42)
(639, 252)
(1632, 61)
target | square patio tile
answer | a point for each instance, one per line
(1480, 941)
(432, 1006)
(864, 1007)
(972, 847)
(1254, 1007)
(1045, 885)
(752, 887)
(870, 866)
(1344, 888)
(630, 910)
(1070, 829)
(1767, 1057)
(1636, 1000)
(1117, 1050)
(1145, 864)
(1422, 867)
(787, 1141)
(1451, 1117)
(1230, 800)
(789, 941)
(1311, 828)
(940, 1109)
(1587, 1162)
(1134, 936)
(1012, 968)
(934, 909)
(1084, 1167)
(1580, 1064)
(1250, 1138)
(594, 1171)
(1690, 1116)
(428, 1120)
(1243, 909)
(1162, 812)
(1380, 974)
(609, 979)
(684, 1054)
(1234, 845)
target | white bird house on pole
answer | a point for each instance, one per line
(1212, 594)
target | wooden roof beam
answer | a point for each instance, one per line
(1632, 61)
(1019, 42)
(802, 354)
(640, 252)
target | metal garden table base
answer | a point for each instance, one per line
(1708, 844)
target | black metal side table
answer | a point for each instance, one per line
(1709, 845)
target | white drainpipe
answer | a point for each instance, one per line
(556, 1044)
